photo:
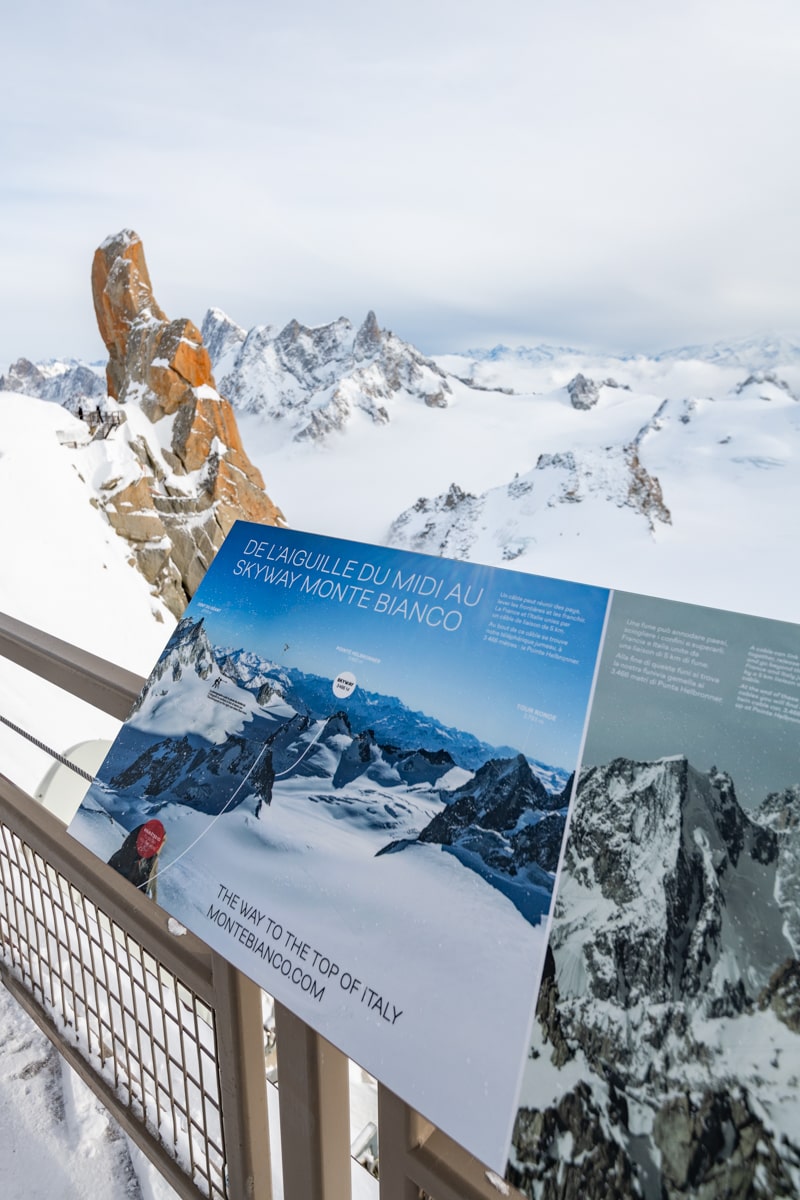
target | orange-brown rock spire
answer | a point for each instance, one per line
(174, 523)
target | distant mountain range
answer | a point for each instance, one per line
(628, 471)
(271, 371)
(749, 353)
(374, 763)
(389, 721)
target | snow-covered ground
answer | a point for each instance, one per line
(56, 1138)
(64, 571)
(58, 1142)
(726, 457)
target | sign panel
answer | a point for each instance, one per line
(350, 773)
(665, 1056)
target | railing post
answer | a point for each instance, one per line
(313, 1089)
(398, 1133)
(240, 1036)
(418, 1159)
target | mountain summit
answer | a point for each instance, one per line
(320, 379)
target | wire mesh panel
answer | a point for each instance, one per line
(129, 1016)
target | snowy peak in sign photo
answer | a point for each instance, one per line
(688, 877)
(317, 379)
(188, 693)
(507, 827)
(188, 650)
(671, 1015)
(188, 647)
(393, 724)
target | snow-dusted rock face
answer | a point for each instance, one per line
(455, 522)
(668, 1024)
(503, 824)
(780, 812)
(685, 876)
(767, 385)
(583, 393)
(317, 379)
(184, 482)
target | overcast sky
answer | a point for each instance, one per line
(605, 173)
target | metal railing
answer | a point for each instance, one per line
(166, 1033)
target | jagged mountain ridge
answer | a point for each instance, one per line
(316, 379)
(671, 1006)
(392, 723)
(72, 384)
(625, 455)
(506, 827)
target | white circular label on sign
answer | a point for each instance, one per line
(343, 684)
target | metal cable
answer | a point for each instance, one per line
(47, 749)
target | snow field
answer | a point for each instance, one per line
(330, 891)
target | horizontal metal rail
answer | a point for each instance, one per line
(107, 687)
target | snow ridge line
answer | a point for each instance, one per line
(323, 726)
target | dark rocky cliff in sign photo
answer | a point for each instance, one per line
(670, 1012)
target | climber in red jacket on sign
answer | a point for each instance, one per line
(137, 857)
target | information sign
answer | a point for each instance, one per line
(352, 773)
(360, 762)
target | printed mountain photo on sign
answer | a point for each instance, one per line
(362, 760)
(665, 1057)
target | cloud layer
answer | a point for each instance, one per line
(618, 175)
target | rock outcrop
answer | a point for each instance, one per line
(507, 518)
(584, 393)
(194, 478)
